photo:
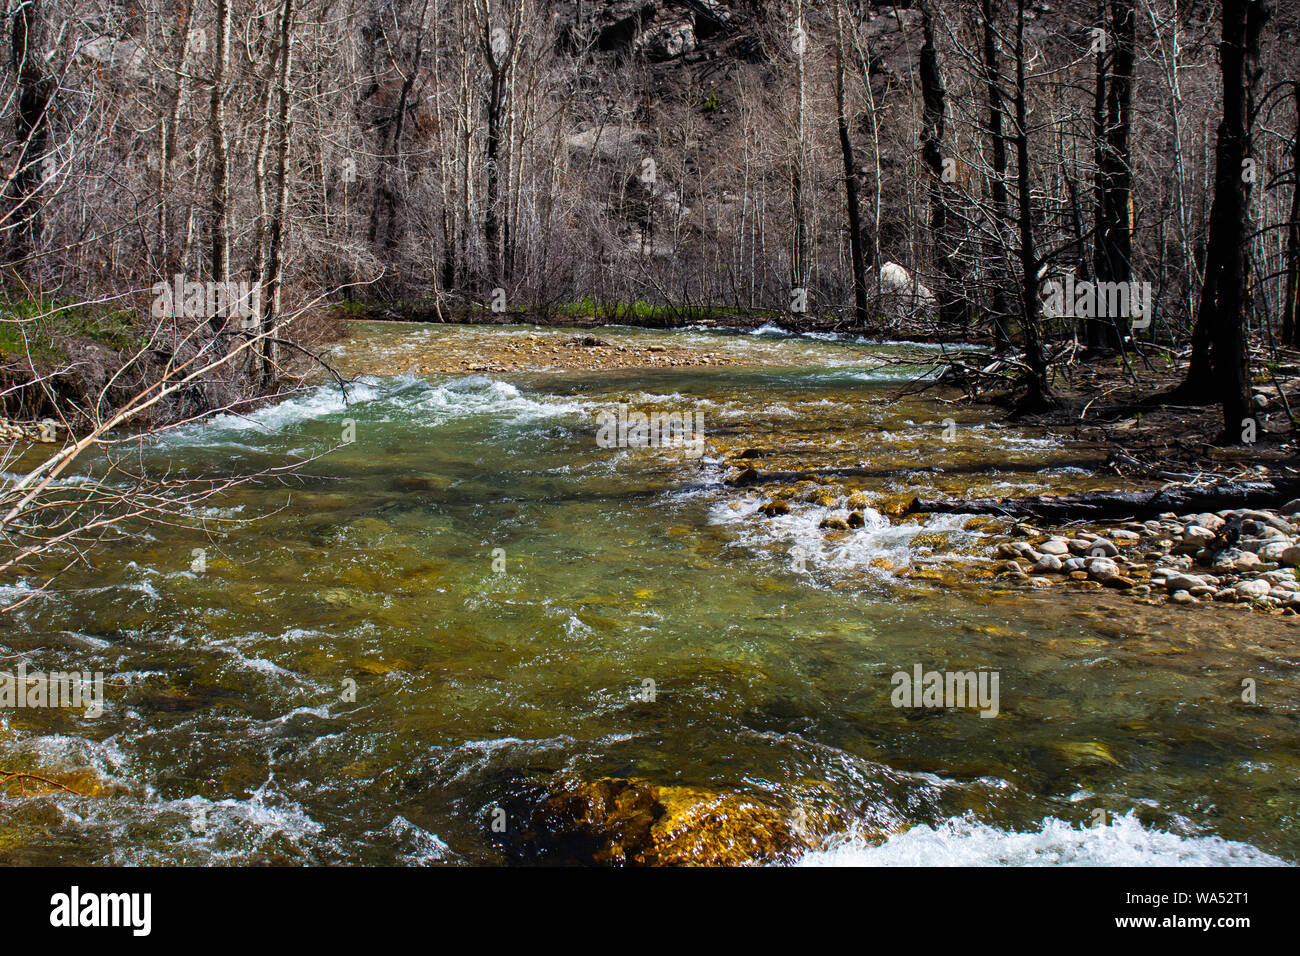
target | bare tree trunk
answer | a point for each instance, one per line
(850, 179)
(219, 261)
(1112, 253)
(952, 305)
(1038, 393)
(385, 222)
(498, 90)
(1219, 371)
(998, 178)
(799, 233)
(1291, 307)
(279, 224)
(167, 146)
(35, 91)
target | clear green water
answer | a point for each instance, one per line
(228, 737)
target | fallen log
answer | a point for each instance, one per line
(1180, 499)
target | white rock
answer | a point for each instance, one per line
(1208, 521)
(896, 280)
(1252, 590)
(1102, 569)
(1101, 548)
(1246, 562)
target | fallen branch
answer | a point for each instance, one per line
(8, 775)
(1181, 499)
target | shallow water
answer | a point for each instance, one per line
(230, 735)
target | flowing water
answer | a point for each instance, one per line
(371, 656)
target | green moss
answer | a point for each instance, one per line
(29, 327)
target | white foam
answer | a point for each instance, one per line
(404, 398)
(805, 546)
(425, 847)
(964, 841)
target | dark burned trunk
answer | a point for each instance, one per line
(856, 253)
(952, 306)
(1038, 394)
(35, 90)
(1291, 306)
(496, 97)
(386, 225)
(1001, 307)
(1219, 372)
(1122, 504)
(1112, 252)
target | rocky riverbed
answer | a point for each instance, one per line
(1243, 556)
(46, 430)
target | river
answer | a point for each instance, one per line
(359, 664)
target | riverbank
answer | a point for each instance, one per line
(66, 366)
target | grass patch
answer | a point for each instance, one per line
(29, 327)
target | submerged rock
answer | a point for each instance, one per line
(634, 822)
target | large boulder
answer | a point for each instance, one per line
(896, 282)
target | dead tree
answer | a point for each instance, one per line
(1038, 392)
(856, 253)
(1291, 306)
(1113, 246)
(279, 225)
(1180, 499)
(35, 92)
(953, 310)
(1001, 308)
(1219, 368)
(219, 255)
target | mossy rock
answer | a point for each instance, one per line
(931, 540)
(634, 822)
(823, 498)
(895, 506)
